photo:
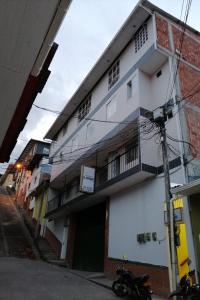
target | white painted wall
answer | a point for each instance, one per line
(124, 107)
(138, 210)
(56, 227)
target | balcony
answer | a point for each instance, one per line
(41, 178)
(122, 172)
(117, 166)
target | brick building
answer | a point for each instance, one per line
(153, 58)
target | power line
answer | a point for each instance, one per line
(188, 6)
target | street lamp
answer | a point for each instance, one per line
(19, 167)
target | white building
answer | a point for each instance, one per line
(106, 127)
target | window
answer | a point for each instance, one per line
(111, 108)
(141, 37)
(84, 108)
(113, 74)
(64, 129)
(159, 73)
(131, 152)
(129, 89)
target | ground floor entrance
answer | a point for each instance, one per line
(89, 239)
(195, 215)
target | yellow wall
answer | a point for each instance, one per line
(182, 250)
(36, 211)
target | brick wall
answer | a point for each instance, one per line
(190, 50)
(189, 76)
(193, 121)
(189, 83)
(158, 275)
(162, 32)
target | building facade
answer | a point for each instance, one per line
(107, 127)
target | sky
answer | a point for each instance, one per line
(87, 29)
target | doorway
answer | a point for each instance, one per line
(89, 239)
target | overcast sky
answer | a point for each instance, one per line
(86, 31)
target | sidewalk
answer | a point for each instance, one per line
(100, 279)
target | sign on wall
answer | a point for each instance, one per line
(87, 179)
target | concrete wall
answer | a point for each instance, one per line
(138, 210)
(56, 227)
(101, 97)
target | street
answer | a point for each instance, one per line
(14, 239)
(22, 277)
(28, 279)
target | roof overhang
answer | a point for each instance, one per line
(27, 31)
(187, 189)
(34, 85)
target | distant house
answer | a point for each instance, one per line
(7, 179)
(30, 158)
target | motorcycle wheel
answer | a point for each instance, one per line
(119, 288)
(145, 295)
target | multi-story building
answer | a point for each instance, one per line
(105, 126)
(28, 159)
(7, 178)
(37, 191)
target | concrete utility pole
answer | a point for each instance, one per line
(160, 116)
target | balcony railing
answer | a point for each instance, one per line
(119, 165)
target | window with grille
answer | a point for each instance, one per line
(113, 74)
(132, 152)
(84, 108)
(141, 37)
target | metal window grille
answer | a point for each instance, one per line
(84, 108)
(141, 37)
(113, 74)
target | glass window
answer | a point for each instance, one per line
(113, 74)
(84, 108)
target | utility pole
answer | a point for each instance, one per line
(160, 116)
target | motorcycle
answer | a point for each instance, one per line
(187, 290)
(128, 284)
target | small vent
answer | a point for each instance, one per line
(159, 73)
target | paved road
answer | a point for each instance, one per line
(14, 240)
(23, 278)
(28, 279)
